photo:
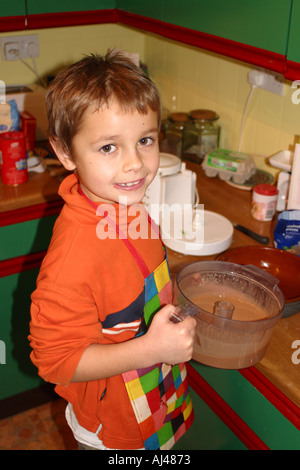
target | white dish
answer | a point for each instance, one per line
(212, 235)
(283, 160)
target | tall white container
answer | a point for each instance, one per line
(294, 192)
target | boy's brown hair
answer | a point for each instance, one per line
(92, 83)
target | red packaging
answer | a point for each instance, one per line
(13, 158)
(28, 126)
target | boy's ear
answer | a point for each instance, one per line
(62, 155)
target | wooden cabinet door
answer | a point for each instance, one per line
(293, 47)
(260, 24)
(59, 6)
(12, 15)
(150, 9)
(56, 13)
(17, 374)
(250, 30)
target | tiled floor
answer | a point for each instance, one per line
(40, 428)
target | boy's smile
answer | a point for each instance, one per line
(116, 154)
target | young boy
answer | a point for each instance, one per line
(93, 331)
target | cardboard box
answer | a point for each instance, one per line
(28, 126)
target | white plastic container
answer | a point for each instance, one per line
(264, 201)
(283, 185)
(294, 192)
(282, 160)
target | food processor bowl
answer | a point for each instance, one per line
(237, 308)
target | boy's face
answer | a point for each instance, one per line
(116, 154)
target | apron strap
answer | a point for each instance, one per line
(139, 260)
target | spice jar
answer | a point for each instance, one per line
(201, 134)
(172, 142)
(264, 200)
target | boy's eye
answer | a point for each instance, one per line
(146, 141)
(108, 148)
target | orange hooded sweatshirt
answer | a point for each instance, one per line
(90, 290)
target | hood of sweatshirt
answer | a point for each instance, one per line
(107, 216)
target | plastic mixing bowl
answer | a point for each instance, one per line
(236, 308)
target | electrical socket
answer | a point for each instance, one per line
(267, 80)
(16, 47)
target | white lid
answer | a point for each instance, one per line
(169, 164)
(213, 236)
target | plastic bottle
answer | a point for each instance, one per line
(294, 192)
(264, 200)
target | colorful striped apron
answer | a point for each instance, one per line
(159, 394)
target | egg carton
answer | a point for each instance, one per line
(229, 165)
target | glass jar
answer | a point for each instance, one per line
(201, 134)
(173, 133)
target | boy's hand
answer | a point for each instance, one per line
(170, 342)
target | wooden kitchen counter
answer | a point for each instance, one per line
(40, 188)
(217, 196)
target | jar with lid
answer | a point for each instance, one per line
(201, 134)
(173, 133)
